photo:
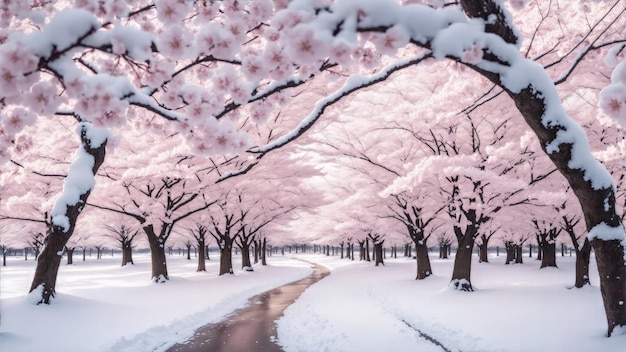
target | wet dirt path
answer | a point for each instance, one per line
(250, 328)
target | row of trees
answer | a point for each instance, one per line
(168, 98)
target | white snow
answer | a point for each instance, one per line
(101, 306)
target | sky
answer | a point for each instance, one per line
(101, 306)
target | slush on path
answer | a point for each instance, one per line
(253, 327)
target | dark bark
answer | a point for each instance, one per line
(510, 252)
(424, 269)
(202, 251)
(518, 254)
(245, 257)
(461, 273)
(57, 236)
(367, 250)
(157, 255)
(188, 247)
(226, 256)
(583, 255)
(264, 251)
(549, 255)
(127, 253)
(597, 202)
(70, 255)
(378, 253)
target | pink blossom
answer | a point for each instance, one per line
(171, 11)
(260, 111)
(240, 92)
(473, 55)
(175, 42)
(341, 52)
(303, 47)
(225, 79)
(18, 57)
(206, 11)
(15, 121)
(394, 38)
(43, 99)
(214, 40)
(171, 99)
(368, 58)
(197, 110)
(253, 67)
(612, 101)
(261, 9)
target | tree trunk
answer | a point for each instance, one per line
(226, 257)
(463, 261)
(201, 255)
(245, 257)
(188, 251)
(423, 261)
(84, 253)
(127, 254)
(510, 253)
(378, 254)
(157, 256)
(367, 250)
(57, 236)
(482, 253)
(548, 258)
(445, 249)
(582, 264)
(612, 280)
(70, 255)
(518, 254)
(264, 252)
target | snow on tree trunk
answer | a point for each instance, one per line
(60, 227)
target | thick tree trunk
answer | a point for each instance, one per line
(188, 246)
(612, 280)
(226, 256)
(548, 258)
(367, 250)
(482, 253)
(245, 257)
(157, 255)
(423, 261)
(461, 274)
(127, 254)
(56, 236)
(378, 254)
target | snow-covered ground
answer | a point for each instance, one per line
(359, 307)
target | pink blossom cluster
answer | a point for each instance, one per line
(612, 99)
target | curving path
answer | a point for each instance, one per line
(251, 328)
